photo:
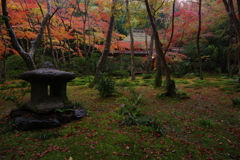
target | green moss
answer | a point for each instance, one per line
(181, 81)
(204, 83)
(100, 134)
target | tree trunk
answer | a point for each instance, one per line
(149, 60)
(103, 58)
(198, 37)
(132, 41)
(51, 46)
(170, 90)
(69, 52)
(3, 66)
(231, 13)
(3, 59)
(63, 57)
(158, 58)
(170, 40)
(229, 52)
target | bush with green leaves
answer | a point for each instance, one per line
(16, 95)
(180, 69)
(84, 65)
(122, 74)
(47, 134)
(236, 101)
(123, 63)
(206, 122)
(15, 62)
(147, 76)
(131, 103)
(131, 111)
(15, 66)
(106, 86)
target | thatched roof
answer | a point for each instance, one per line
(139, 35)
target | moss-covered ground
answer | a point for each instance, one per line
(206, 125)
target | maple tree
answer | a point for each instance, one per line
(64, 26)
(27, 56)
(79, 27)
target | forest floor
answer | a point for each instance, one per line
(201, 123)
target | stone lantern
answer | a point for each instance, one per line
(48, 89)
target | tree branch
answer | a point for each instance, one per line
(169, 43)
(35, 43)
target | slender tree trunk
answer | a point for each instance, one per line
(69, 51)
(158, 47)
(231, 13)
(132, 41)
(63, 52)
(3, 66)
(63, 57)
(3, 59)
(103, 58)
(170, 40)
(229, 53)
(170, 84)
(43, 54)
(2, 74)
(121, 61)
(198, 37)
(183, 32)
(51, 46)
(149, 60)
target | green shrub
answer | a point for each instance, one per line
(83, 65)
(122, 74)
(204, 83)
(182, 94)
(16, 95)
(106, 86)
(147, 76)
(14, 74)
(148, 82)
(15, 62)
(45, 135)
(131, 103)
(206, 122)
(123, 83)
(180, 69)
(15, 66)
(132, 116)
(123, 62)
(236, 101)
(181, 81)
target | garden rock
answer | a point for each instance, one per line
(30, 123)
(27, 120)
(79, 113)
